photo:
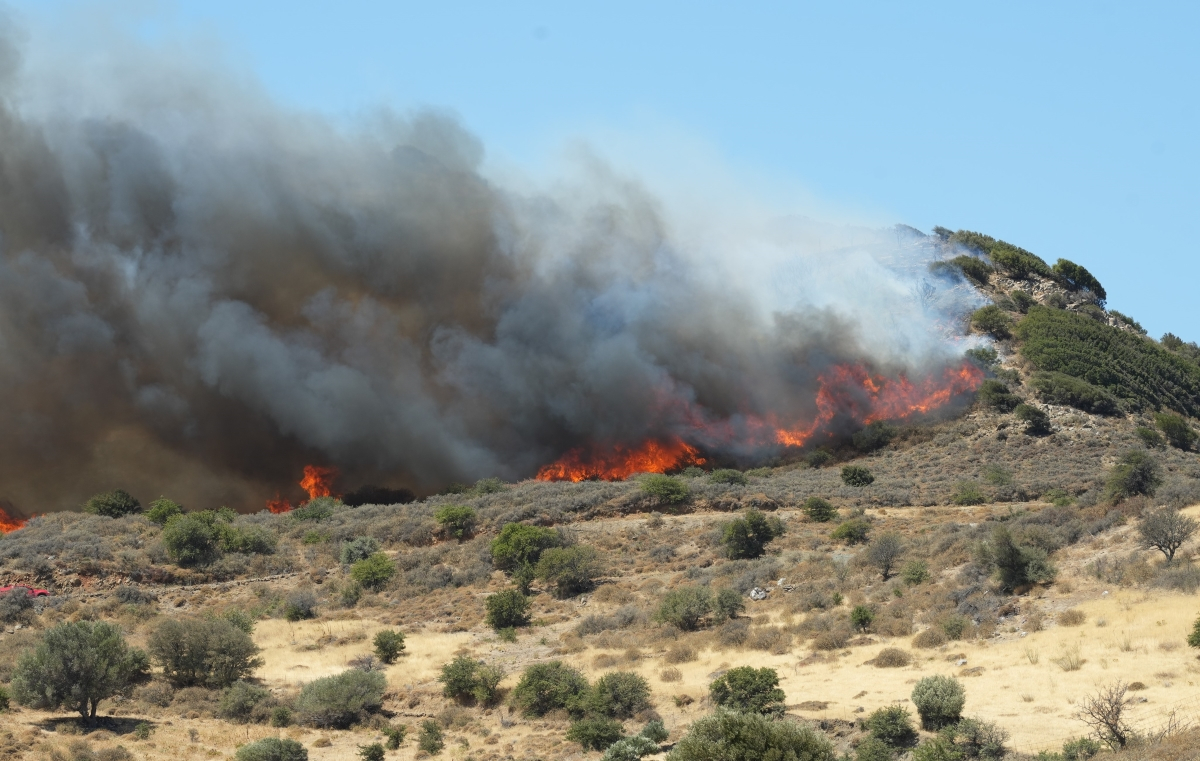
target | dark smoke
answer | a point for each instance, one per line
(201, 291)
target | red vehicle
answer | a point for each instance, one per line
(28, 590)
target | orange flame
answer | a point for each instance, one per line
(318, 481)
(620, 463)
(9, 524)
(279, 505)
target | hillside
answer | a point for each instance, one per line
(1001, 547)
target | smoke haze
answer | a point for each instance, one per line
(201, 291)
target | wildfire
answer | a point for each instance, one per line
(317, 481)
(621, 462)
(846, 390)
(9, 524)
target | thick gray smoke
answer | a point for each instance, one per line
(200, 292)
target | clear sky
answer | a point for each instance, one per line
(1067, 128)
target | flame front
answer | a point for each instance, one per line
(318, 481)
(846, 390)
(279, 505)
(9, 524)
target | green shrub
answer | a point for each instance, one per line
(747, 537)
(1139, 373)
(4, 699)
(142, 730)
(818, 458)
(358, 548)
(162, 510)
(685, 607)
(1037, 423)
(465, 679)
(1080, 749)
(1176, 429)
(1015, 564)
(939, 748)
(1150, 437)
(728, 476)
(727, 604)
(75, 666)
(239, 699)
(874, 436)
(893, 725)
(861, 617)
(1193, 639)
(967, 493)
(630, 749)
(373, 572)
(272, 749)
(969, 266)
(993, 321)
(939, 701)
(735, 736)
(520, 546)
(1076, 278)
(281, 716)
(1137, 472)
(748, 690)
(853, 531)
(546, 687)
(570, 570)
(395, 736)
(507, 609)
(819, 510)
(207, 652)
(251, 540)
(389, 644)
(979, 739)
(431, 740)
(1060, 388)
(654, 731)
(874, 749)
(1021, 300)
(457, 521)
(190, 540)
(338, 701)
(619, 695)
(994, 394)
(914, 572)
(856, 475)
(665, 489)
(113, 504)
(595, 733)
(372, 752)
(300, 605)
(1014, 260)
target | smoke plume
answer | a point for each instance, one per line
(202, 291)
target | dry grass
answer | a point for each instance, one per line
(1072, 617)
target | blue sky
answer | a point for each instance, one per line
(1066, 128)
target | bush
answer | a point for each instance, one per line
(75, 666)
(207, 652)
(15, 605)
(1150, 437)
(747, 537)
(300, 605)
(969, 266)
(620, 695)
(272, 749)
(162, 510)
(884, 552)
(748, 690)
(520, 546)
(992, 320)
(931, 637)
(113, 504)
(856, 475)
(685, 607)
(727, 604)
(818, 510)
(281, 716)
(395, 736)
(748, 736)
(1193, 639)
(570, 570)
(190, 540)
(372, 752)
(872, 749)
(665, 489)
(1021, 300)
(507, 609)
(967, 493)
(976, 738)
(465, 679)
(892, 725)
(1037, 423)
(1165, 530)
(892, 658)
(1137, 472)
(861, 617)
(914, 572)
(818, 458)
(853, 531)
(630, 749)
(1080, 749)
(939, 701)
(254, 540)
(373, 572)
(993, 393)
(4, 699)
(595, 733)
(358, 548)
(874, 436)
(546, 687)
(1060, 388)
(1176, 429)
(338, 701)
(728, 476)
(457, 521)
(430, 740)
(239, 699)
(316, 509)
(1016, 565)
(1076, 278)
(389, 644)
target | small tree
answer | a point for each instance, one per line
(430, 739)
(1137, 472)
(520, 546)
(389, 644)
(1165, 530)
(685, 607)
(75, 666)
(939, 701)
(853, 531)
(208, 652)
(892, 725)
(619, 695)
(664, 489)
(856, 475)
(1104, 712)
(746, 736)
(373, 572)
(457, 521)
(570, 570)
(884, 552)
(747, 537)
(1017, 565)
(749, 690)
(458, 678)
(113, 504)
(162, 510)
(993, 321)
(1176, 429)
(507, 609)
(728, 604)
(862, 617)
(190, 540)
(546, 687)
(1193, 639)
(338, 701)
(819, 511)
(1037, 422)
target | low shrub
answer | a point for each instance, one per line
(1176, 429)
(570, 570)
(967, 493)
(728, 476)
(619, 695)
(747, 537)
(372, 752)
(272, 749)
(818, 458)
(993, 321)
(745, 736)
(162, 510)
(546, 687)
(749, 690)
(1080, 749)
(457, 521)
(892, 725)
(875, 435)
(358, 548)
(431, 740)
(209, 652)
(685, 607)
(664, 489)
(914, 572)
(465, 679)
(373, 572)
(1063, 389)
(389, 644)
(113, 504)
(507, 609)
(892, 658)
(939, 701)
(342, 699)
(853, 531)
(873, 749)
(520, 546)
(993, 393)
(861, 617)
(856, 475)
(300, 605)
(1072, 617)
(595, 733)
(239, 700)
(819, 510)
(1137, 472)
(1037, 422)
(727, 604)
